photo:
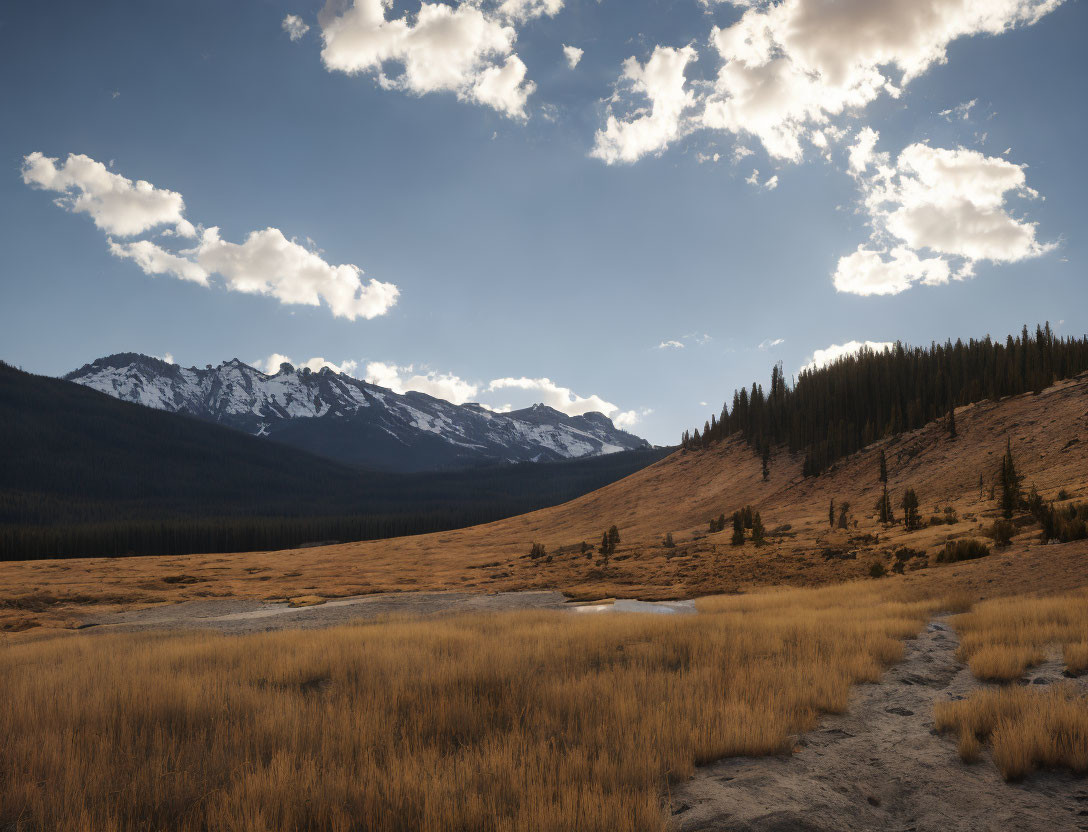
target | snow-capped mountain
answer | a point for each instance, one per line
(350, 420)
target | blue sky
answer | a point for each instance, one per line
(527, 236)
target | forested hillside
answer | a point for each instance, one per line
(832, 411)
(85, 474)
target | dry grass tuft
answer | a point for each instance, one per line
(1075, 657)
(1000, 639)
(519, 721)
(1028, 729)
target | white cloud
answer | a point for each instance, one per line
(880, 272)
(562, 399)
(168, 358)
(295, 27)
(861, 152)
(821, 358)
(661, 80)
(770, 184)
(770, 342)
(952, 203)
(402, 380)
(629, 418)
(573, 55)
(960, 111)
(670, 345)
(153, 259)
(267, 263)
(520, 10)
(789, 69)
(271, 365)
(460, 49)
(116, 204)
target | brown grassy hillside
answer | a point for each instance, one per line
(1048, 431)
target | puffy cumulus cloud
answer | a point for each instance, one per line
(869, 272)
(573, 55)
(267, 263)
(861, 151)
(521, 10)
(649, 130)
(950, 203)
(630, 418)
(954, 202)
(460, 49)
(402, 380)
(295, 27)
(271, 365)
(821, 358)
(788, 69)
(154, 259)
(116, 204)
(562, 399)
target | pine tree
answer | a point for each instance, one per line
(843, 509)
(952, 421)
(1010, 482)
(758, 532)
(831, 513)
(738, 529)
(910, 510)
(668, 543)
(606, 550)
(766, 460)
(613, 537)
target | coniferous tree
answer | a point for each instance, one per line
(766, 460)
(843, 509)
(668, 543)
(758, 532)
(613, 537)
(837, 409)
(1010, 482)
(738, 529)
(952, 421)
(911, 521)
(606, 548)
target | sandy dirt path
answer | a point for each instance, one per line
(881, 766)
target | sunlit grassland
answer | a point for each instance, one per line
(516, 721)
(1001, 638)
(1027, 728)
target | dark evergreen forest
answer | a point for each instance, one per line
(83, 474)
(832, 411)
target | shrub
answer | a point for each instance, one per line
(877, 570)
(963, 549)
(1063, 494)
(537, 551)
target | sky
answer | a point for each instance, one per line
(633, 207)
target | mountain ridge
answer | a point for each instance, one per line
(353, 421)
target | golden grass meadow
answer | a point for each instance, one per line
(515, 721)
